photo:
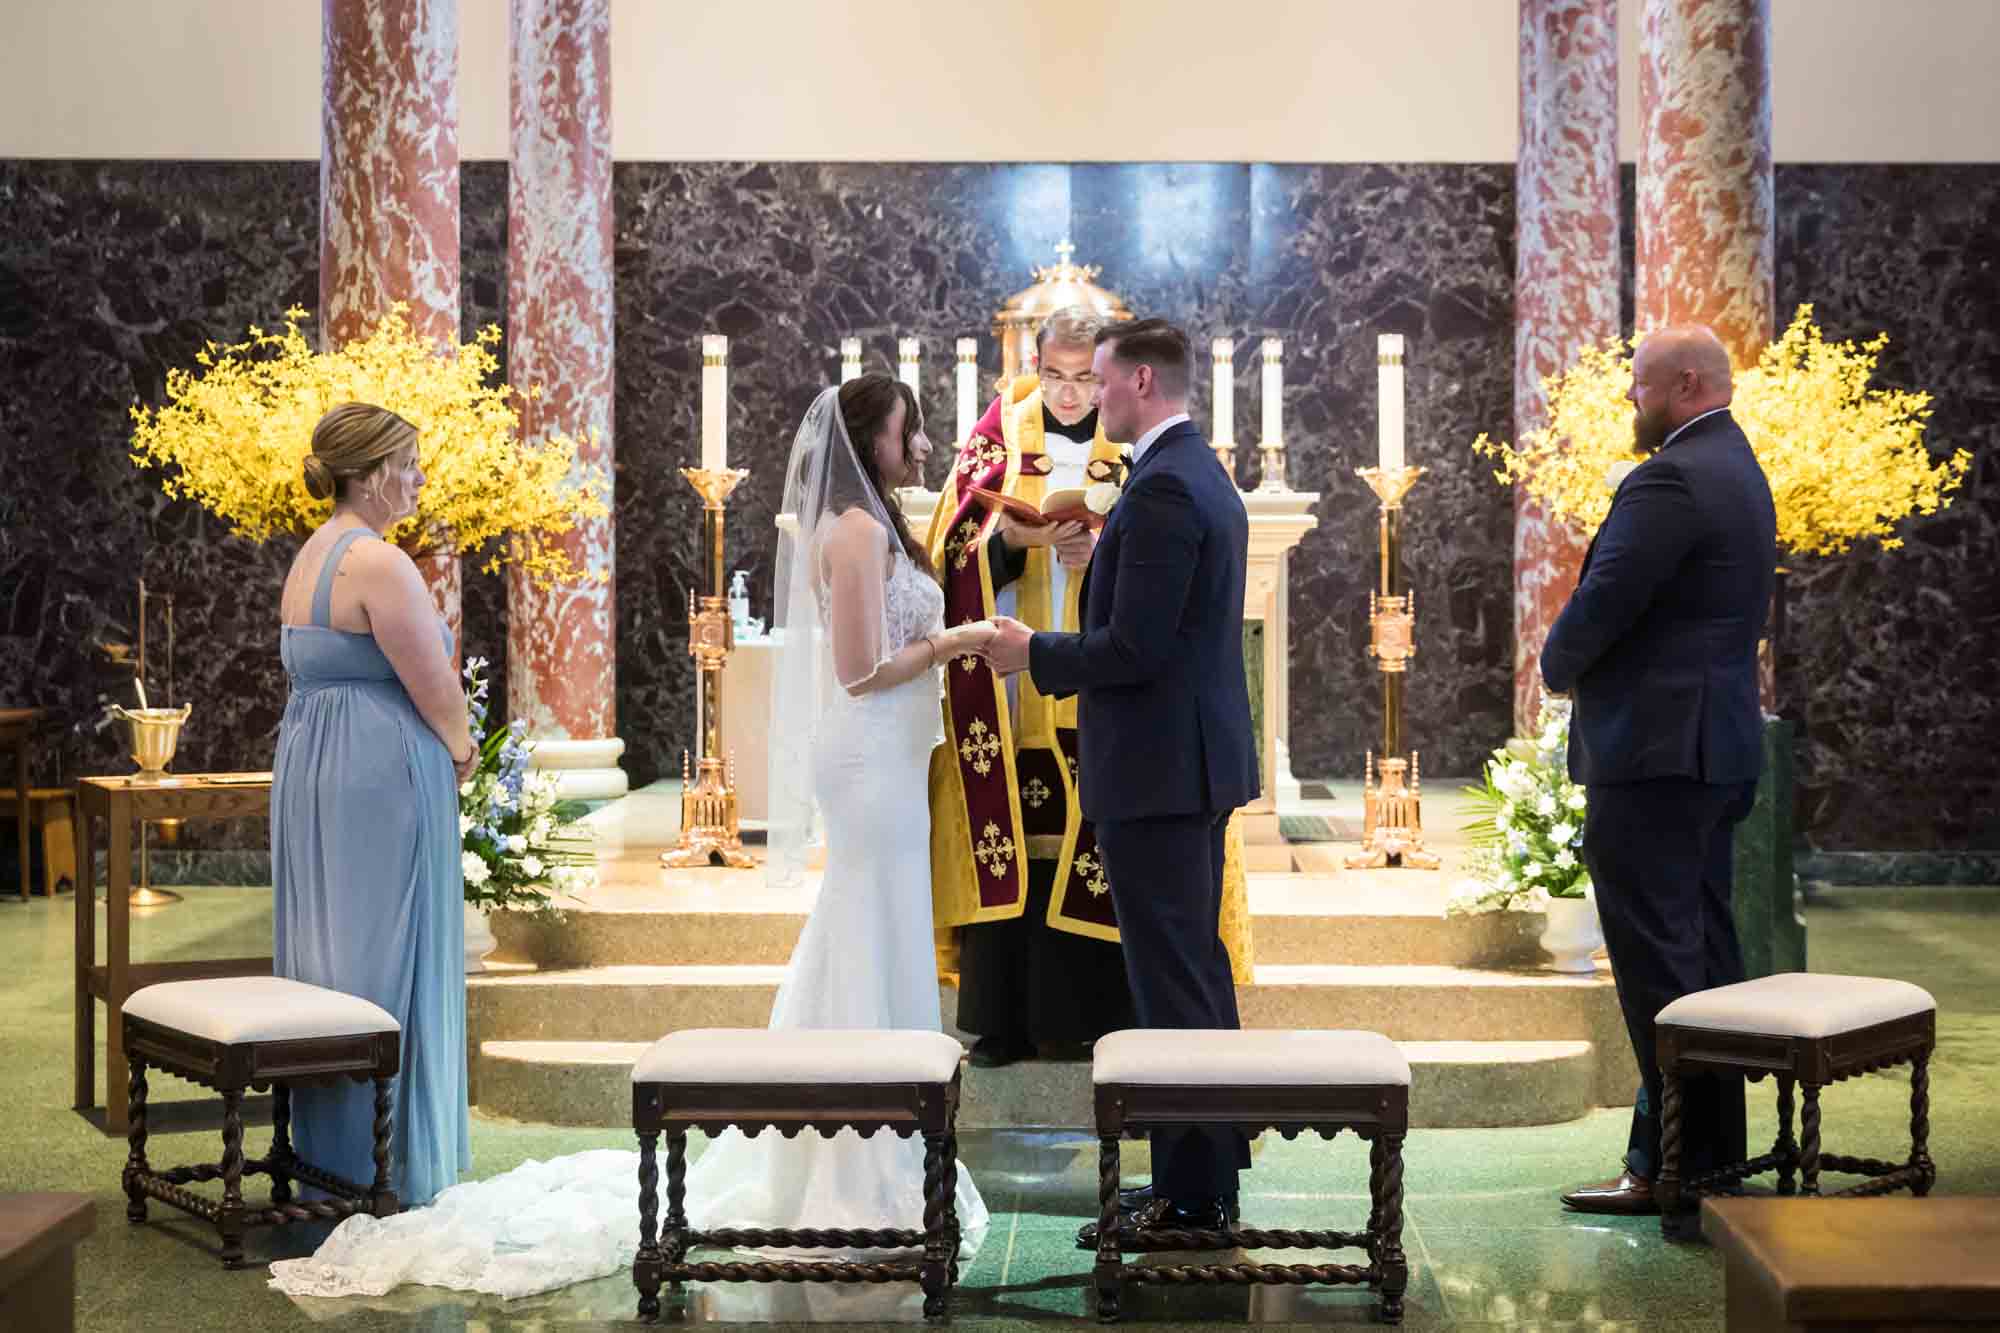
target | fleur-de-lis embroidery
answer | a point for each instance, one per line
(1036, 793)
(980, 747)
(961, 542)
(994, 852)
(1070, 759)
(979, 453)
(1092, 870)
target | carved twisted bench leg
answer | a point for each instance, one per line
(1786, 1149)
(1385, 1190)
(229, 1220)
(136, 1166)
(1106, 1269)
(1809, 1142)
(1920, 1125)
(647, 1271)
(281, 1144)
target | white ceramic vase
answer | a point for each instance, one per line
(1572, 934)
(479, 940)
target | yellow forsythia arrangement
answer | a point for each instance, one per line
(1844, 461)
(235, 432)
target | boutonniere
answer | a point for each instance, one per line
(1107, 477)
(1614, 476)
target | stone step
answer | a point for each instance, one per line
(708, 918)
(1406, 1003)
(1453, 1085)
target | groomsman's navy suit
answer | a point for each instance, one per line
(1658, 646)
(1166, 751)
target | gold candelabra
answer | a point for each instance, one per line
(1392, 821)
(710, 832)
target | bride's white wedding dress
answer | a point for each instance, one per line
(864, 960)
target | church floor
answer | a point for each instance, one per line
(1489, 1246)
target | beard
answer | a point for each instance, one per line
(1649, 432)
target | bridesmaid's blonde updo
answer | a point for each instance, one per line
(351, 441)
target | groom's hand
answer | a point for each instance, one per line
(1007, 652)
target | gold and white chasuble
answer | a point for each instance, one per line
(1003, 783)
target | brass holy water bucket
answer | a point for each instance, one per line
(155, 733)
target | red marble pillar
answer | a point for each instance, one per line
(1565, 278)
(562, 641)
(1705, 229)
(388, 182)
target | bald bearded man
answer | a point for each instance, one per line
(1659, 646)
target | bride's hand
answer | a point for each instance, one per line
(964, 640)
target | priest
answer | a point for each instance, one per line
(1019, 892)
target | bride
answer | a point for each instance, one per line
(855, 715)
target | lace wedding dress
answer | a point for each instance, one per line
(864, 960)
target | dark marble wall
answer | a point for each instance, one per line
(111, 273)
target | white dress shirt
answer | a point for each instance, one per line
(1145, 442)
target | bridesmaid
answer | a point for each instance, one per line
(364, 805)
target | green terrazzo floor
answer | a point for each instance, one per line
(1489, 1245)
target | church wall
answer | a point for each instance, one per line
(923, 81)
(111, 272)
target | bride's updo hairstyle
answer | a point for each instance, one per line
(351, 441)
(865, 405)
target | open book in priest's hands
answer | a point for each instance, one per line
(1064, 506)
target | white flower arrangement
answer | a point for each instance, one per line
(1528, 843)
(520, 848)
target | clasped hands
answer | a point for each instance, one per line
(1002, 643)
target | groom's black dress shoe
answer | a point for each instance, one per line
(1157, 1214)
(1132, 1200)
(999, 1052)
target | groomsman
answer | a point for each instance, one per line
(1659, 646)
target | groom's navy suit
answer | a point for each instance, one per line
(1659, 646)
(1165, 749)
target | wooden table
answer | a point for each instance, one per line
(39, 1234)
(118, 802)
(17, 726)
(1858, 1263)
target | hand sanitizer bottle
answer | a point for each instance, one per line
(739, 602)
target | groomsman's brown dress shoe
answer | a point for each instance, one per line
(1624, 1195)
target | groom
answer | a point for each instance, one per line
(1163, 726)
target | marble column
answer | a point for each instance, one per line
(561, 640)
(1705, 222)
(1565, 276)
(388, 183)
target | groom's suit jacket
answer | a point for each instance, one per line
(1659, 641)
(1163, 708)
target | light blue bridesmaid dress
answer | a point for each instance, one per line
(370, 894)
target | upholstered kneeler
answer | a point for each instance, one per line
(238, 1033)
(1810, 1030)
(1324, 1081)
(824, 1079)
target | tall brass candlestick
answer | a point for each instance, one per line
(709, 828)
(1392, 820)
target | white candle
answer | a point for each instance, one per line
(1224, 352)
(1274, 393)
(714, 402)
(850, 359)
(906, 363)
(968, 387)
(1389, 385)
